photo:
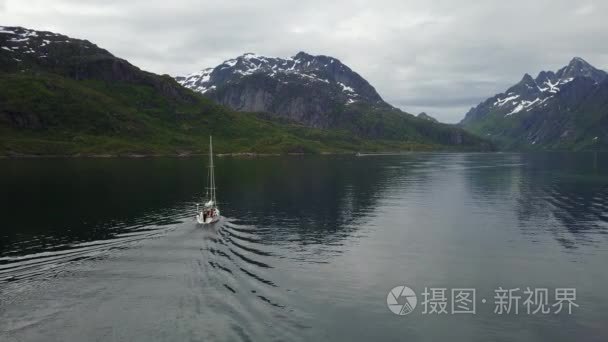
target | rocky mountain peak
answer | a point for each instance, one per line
(25, 47)
(578, 61)
(302, 66)
(527, 79)
(578, 67)
(425, 116)
(303, 86)
(303, 56)
(527, 87)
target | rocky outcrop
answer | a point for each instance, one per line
(427, 117)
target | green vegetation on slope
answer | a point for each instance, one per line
(393, 124)
(64, 96)
(47, 114)
(579, 129)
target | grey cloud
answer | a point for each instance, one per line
(441, 57)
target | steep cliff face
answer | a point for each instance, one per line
(303, 88)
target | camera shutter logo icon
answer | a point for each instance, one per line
(401, 300)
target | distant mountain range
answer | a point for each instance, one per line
(60, 95)
(319, 92)
(567, 109)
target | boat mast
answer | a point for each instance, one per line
(211, 173)
(207, 194)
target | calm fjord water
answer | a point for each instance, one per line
(107, 249)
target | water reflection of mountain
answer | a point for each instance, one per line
(570, 193)
(492, 178)
(303, 199)
(47, 204)
(50, 203)
(562, 194)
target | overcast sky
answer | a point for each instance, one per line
(441, 57)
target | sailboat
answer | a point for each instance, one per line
(209, 212)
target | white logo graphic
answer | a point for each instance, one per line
(401, 300)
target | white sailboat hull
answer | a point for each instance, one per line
(209, 220)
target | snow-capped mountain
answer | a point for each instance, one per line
(532, 93)
(533, 111)
(320, 92)
(30, 51)
(304, 87)
(24, 47)
(19, 40)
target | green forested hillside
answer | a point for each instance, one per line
(66, 96)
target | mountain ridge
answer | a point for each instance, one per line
(66, 96)
(303, 87)
(317, 68)
(315, 91)
(555, 110)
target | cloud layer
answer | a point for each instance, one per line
(441, 57)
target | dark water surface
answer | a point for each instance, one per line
(309, 247)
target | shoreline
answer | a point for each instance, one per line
(253, 155)
(157, 155)
(230, 154)
(219, 155)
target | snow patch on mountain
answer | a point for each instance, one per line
(501, 102)
(33, 43)
(554, 87)
(524, 105)
(532, 93)
(301, 68)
